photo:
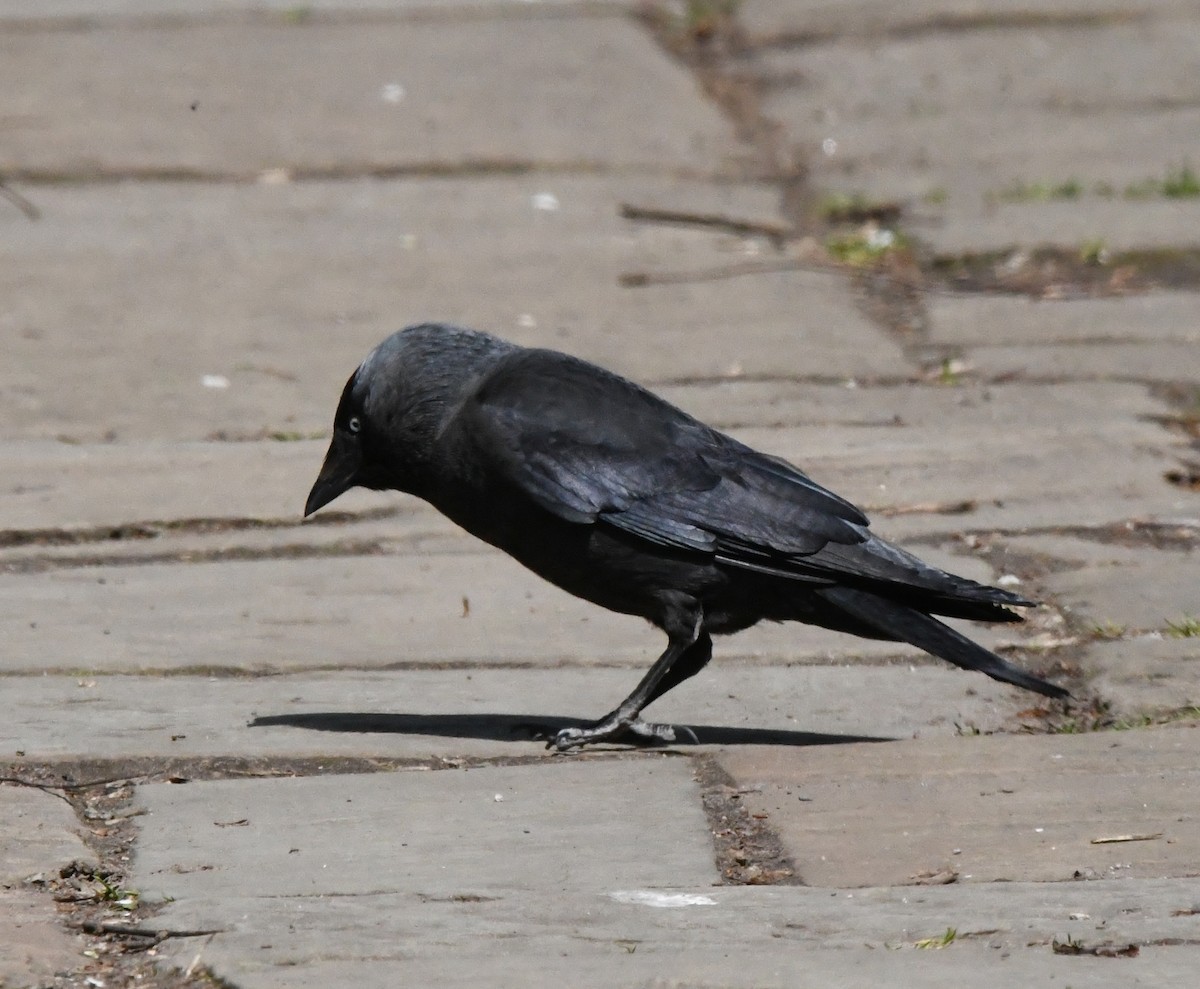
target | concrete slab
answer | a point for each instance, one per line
(274, 294)
(1140, 589)
(776, 21)
(1152, 337)
(36, 946)
(965, 223)
(747, 936)
(1003, 447)
(39, 834)
(316, 95)
(1119, 361)
(993, 320)
(444, 836)
(743, 964)
(477, 712)
(68, 486)
(1145, 676)
(952, 116)
(90, 11)
(888, 100)
(999, 808)
(274, 614)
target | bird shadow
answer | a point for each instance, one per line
(532, 728)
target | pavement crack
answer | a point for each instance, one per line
(230, 554)
(201, 525)
(747, 850)
(941, 25)
(301, 15)
(349, 171)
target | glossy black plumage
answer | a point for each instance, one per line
(615, 495)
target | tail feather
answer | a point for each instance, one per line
(899, 621)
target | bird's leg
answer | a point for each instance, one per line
(691, 662)
(690, 648)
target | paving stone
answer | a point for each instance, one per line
(228, 291)
(36, 947)
(993, 321)
(92, 11)
(477, 712)
(1101, 584)
(51, 485)
(1148, 362)
(39, 834)
(437, 835)
(745, 936)
(318, 95)
(1145, 676)
(952, 120)
(553, 963)
(276, 614)
(962, 225)
(780, 19)
(1005, 453)
(999, 808)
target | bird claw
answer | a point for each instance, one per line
(615, 729)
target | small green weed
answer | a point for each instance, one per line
(112, 892)
(1094, 252)
(938, 942)
(854, 207)
(1041, 192)
(300, 14)
(1181, 184)
(1108, 630)
(860, 250)
(1188, 627)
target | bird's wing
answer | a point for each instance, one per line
(589, 446)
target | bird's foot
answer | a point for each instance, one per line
(614, 728)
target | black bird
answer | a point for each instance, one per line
(618, 497)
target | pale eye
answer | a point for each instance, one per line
(354, 425)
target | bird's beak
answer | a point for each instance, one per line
(338, 474)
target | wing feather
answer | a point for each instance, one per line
(591, 447)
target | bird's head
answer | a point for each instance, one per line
(393, 407)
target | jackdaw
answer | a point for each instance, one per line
(618, 497)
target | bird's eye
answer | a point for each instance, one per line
(354, 425)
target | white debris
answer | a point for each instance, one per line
(392, 92)
(214, 381)
(547, 201)
(652, 898)
(880, 238)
